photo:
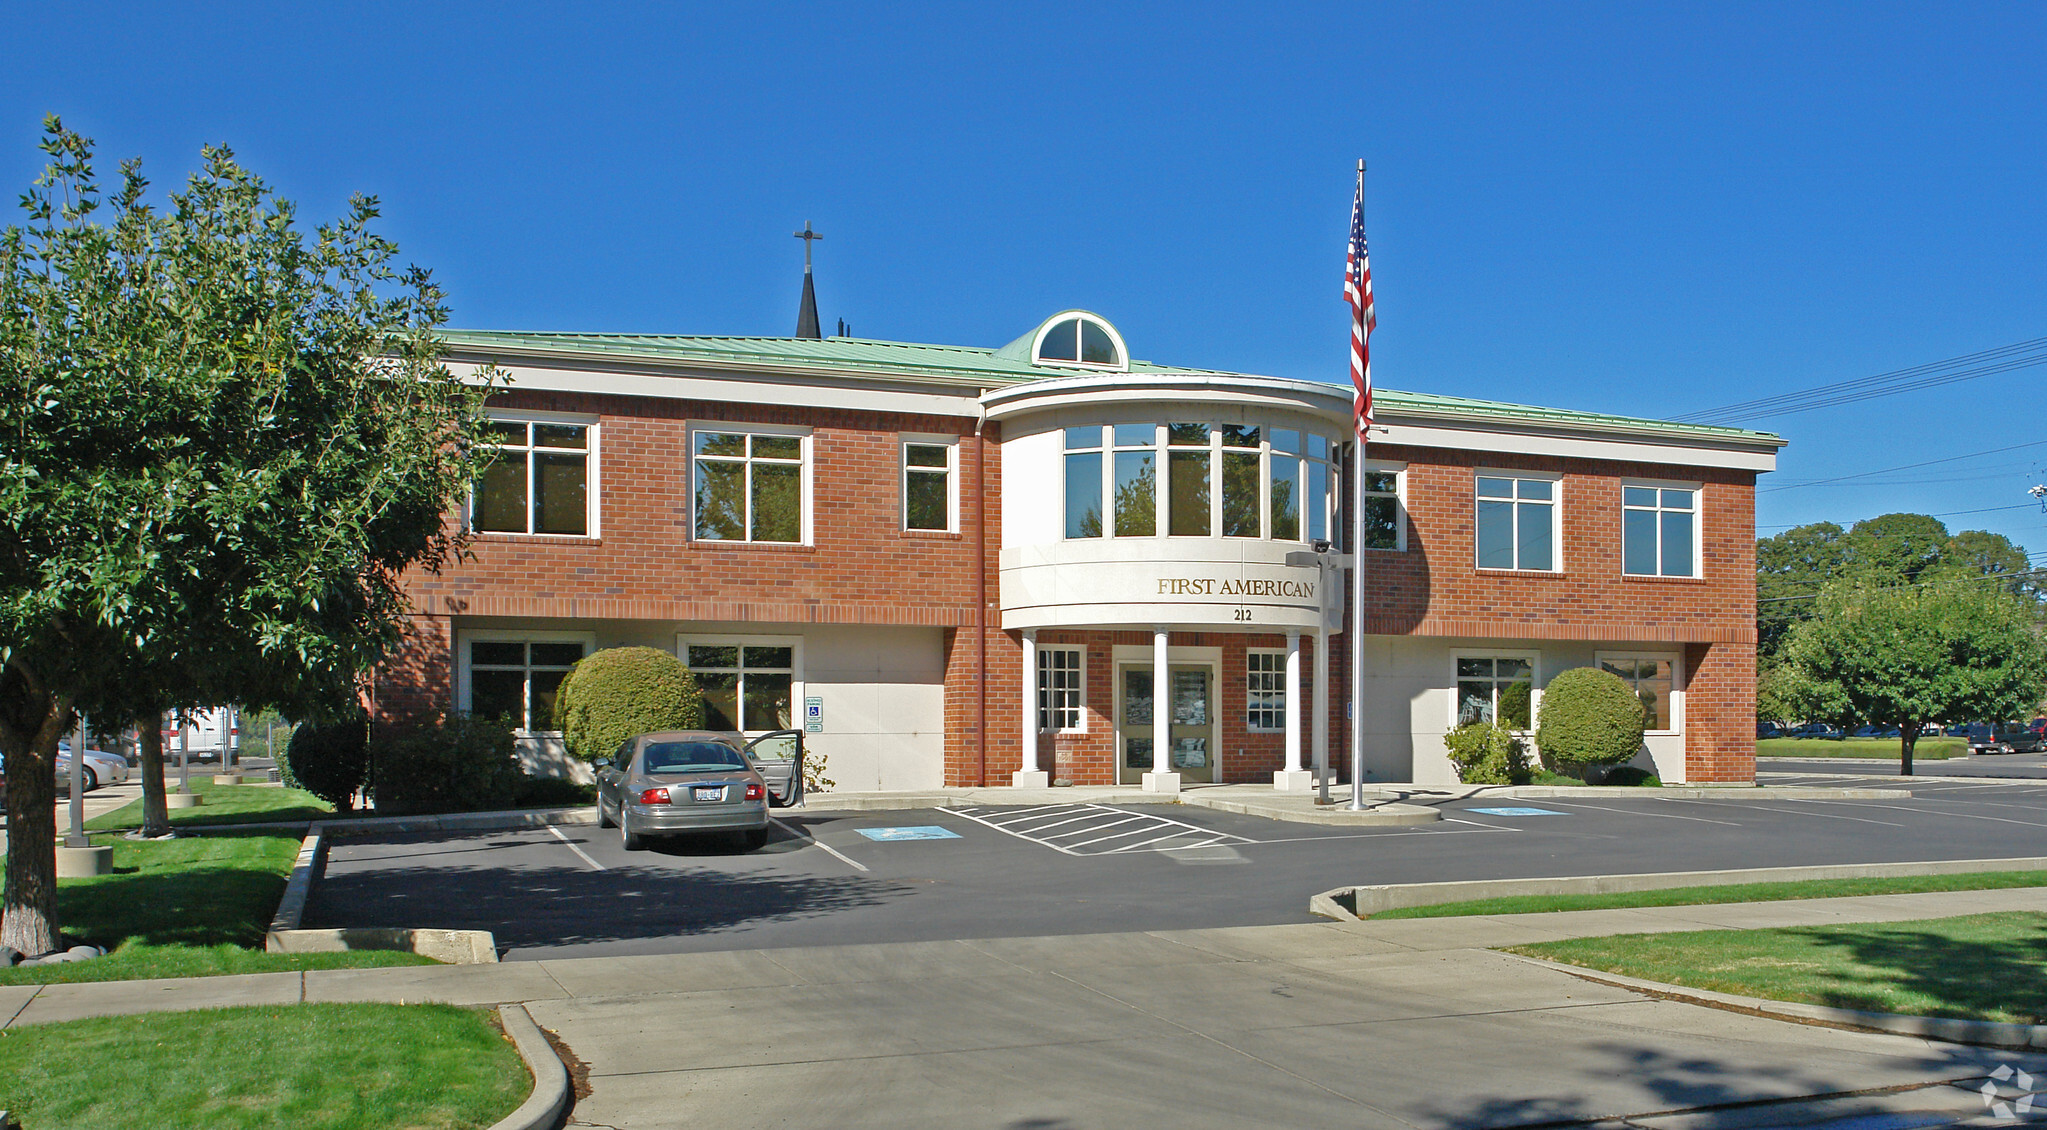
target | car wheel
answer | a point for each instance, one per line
(603, 820)
(754, 839)
(627, 838)
(92, 779)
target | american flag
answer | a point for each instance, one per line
(1357, 290)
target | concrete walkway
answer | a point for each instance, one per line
(1387, 1023)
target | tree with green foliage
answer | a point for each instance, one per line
(1589, 717)
(221, 444)
(622, 691)
(1894, 548)
(1945, 651)
(1980, 553)
(1487, 753)
(1791, 568)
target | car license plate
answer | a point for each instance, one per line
(710, 792)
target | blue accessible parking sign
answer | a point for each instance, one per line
(1517, 812)
(924, 832)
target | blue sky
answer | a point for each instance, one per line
(1648, 209)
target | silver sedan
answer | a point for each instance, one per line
(681, 782)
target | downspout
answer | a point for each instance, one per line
(981, 596)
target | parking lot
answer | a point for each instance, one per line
(829, 878)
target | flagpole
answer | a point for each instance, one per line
(1357, 594)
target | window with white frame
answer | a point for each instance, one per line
(1385, 516)
(1660, 528)
(749, 486)
(539, 480)
(1265, 687)
(930, 498)
(1241, 480)
(1496, 688)
(516, 676)
(1062, 675)
(1652, 677)
(748, 683)
(1517, 521)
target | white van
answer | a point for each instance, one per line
(210, 731)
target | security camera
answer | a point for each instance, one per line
(1322, 545)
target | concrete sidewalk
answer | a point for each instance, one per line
(1405, 1022)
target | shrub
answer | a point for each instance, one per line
(623, 691)
(1628, 776)
(1589, 717)
(458, 764)
(329, 760)
(1487, 754)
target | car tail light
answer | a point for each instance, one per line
(755, 790)
(653, 796)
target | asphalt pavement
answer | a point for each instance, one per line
(937, 874)
(2018, 766)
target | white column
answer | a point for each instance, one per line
(1029, 776)
(1293, 778)
(1321, 729)
(1161, 779)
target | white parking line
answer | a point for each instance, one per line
(571, 844)
(1633, 812)
(1787, 811)
(1100, 818)
(828, 849)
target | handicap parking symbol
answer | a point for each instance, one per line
(1517, 812)
(922, 832)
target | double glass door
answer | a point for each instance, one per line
(1192, 724)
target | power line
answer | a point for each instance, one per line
(1969, 366)
(1905, 467)
(1942, 514)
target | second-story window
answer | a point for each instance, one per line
(1517, 523)
(1384, 526)
(749, 486)
(1660, 525)
(929, 502)
(539, 482)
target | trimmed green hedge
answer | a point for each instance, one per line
(1487, 754)
(622, 691)
(330, 760)
(458, 764)
(1589, 717)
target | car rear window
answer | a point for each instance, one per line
(689, 757)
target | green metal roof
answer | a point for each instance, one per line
(988, 368)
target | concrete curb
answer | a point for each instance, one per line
(1976, 779)
(1299, 809)
(456, 947)
(1351, 904)
(1980, 1033)
(312, 858)
(544, 1108)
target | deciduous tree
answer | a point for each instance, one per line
(221, 443)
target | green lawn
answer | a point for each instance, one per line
(1928, 749)
(1976, 967)
(1736, 892)
(187, 907)
(308, 1066)
(225, 804)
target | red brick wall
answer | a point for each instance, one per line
(1437, 589)
(863, 567)
(414, 682)
(1720, 713)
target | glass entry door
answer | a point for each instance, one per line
(1192, 733)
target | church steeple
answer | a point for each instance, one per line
(806, 315)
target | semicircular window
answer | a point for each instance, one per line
(1081, 340)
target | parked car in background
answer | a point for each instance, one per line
(2038, 726)
(1874, 732)
(208, 732)
(1817, 730)
(1768, 730)
(1930, 730)
(101, 768)
(2024, 739)
(2003, 737)
(681, 782)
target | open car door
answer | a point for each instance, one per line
(778, 756)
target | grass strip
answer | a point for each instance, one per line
(187, 907)
(1973, 967)
(1928, 749)
(225, 804)
(308, 1066)
(1733, 892)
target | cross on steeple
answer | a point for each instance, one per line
(806, 315)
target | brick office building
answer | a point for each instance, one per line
(988, 566)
